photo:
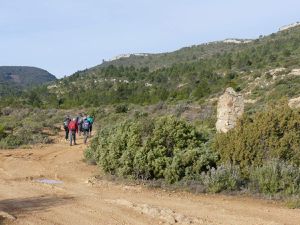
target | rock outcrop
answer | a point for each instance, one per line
(289, 26)
(295, 72)
(230, 108)
(237, 41)
(294, 103)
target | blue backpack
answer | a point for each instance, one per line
(86, 125)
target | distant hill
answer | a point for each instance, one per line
(16, 78)
(187, 54)
(194, 74)
(264, 70)
(192, 53)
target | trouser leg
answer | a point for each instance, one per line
(91, 128)
(74, 137)
(79, 130)
(71, 137)
(85, 133)
(67, 134)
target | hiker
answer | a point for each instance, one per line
(91, 120)
(79, 123)
(66, 126)
(73, 129)
(86, 129)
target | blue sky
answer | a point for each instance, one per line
(63, 36)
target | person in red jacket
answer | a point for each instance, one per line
(73, 129)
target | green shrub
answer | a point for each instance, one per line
(10, 142)
(275, 177)
(293, 202)
(23, 136)
(2, 132)
(270, 134)
(163, 148)
(139, 114)
(27, 126)
(223, 178)
(89, 156)
(121, 108)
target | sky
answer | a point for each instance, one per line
(64, 36)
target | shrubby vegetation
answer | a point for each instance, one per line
(223, 178)
(162, 148)
(21, 127)
(270, 134)
(261, 155)
(122, 108)
(275, 177)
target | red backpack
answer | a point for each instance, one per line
(72, 125)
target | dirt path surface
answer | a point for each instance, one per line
(82, 200)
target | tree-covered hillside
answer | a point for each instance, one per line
(161, 60)
(15, 78)
(263, 70)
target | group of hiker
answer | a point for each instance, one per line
(81, 124)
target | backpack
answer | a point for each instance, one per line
(79, 121)
(72, 125)
(66, 124)
(91, 120)
(86, 125)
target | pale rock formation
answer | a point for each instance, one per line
(230, 108)
(250, 101)
(127, 56)
(237, 41)
(289, 26)
(294, 103)
(295, 72)
(277, 71)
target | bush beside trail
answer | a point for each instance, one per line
(265, 147)
(163, 148)
(270, 134)
(275, 177)
(261, 155)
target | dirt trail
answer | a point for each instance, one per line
(82, 200)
